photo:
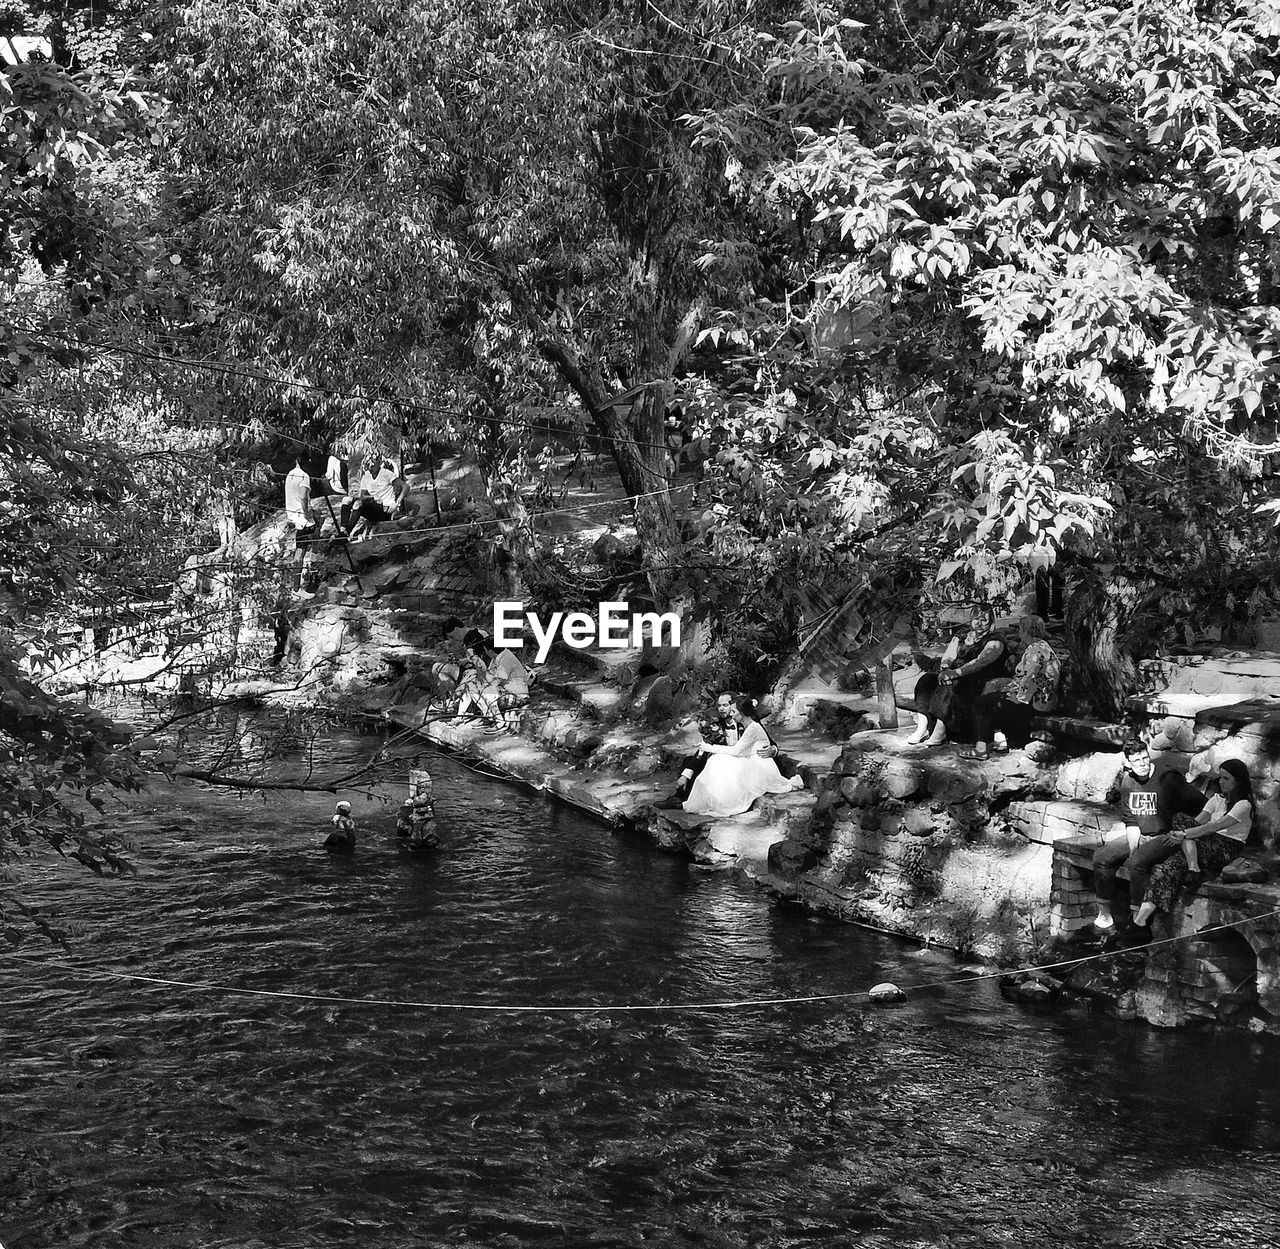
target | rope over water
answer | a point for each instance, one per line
(323, 999)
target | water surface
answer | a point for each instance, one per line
(149, 1116)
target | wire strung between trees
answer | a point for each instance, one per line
(551, 1008)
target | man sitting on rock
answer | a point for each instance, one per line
(384, 495)
(1147, 802)
(717, 728)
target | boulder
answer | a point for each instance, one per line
(1088, 778)
(1245, 871)
(886, 992)
(1034, 988)
(902, 778)
(857, 792)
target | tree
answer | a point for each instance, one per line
(70, 241)
(461, 209)
(1065, 256)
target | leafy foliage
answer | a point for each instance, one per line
(1065, 256)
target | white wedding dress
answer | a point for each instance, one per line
(732, 781)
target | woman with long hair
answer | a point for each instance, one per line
(1217, 836)
(735, 776)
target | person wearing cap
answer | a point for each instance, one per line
(447, 673)
(343, 836)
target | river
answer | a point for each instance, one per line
(155, 1116)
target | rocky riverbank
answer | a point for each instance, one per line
(989, 859)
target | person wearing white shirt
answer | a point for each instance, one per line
(297, 496)
(383, 495)
(297, 510)
(332, 488)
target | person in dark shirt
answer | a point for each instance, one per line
(717, 726)
(947, 697)
(1147, 801)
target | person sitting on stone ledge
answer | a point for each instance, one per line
(1148, 802)
(383, 496)
(1003, 711)
(947, 697)
(717, 727)
(497, 685)
(446, 673)
(735, 776)
(1215, 838)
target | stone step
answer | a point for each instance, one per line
(601, 702)
(609, 667)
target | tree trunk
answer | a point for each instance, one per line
(514, 562)
(1099, 614)
(635, 439)
(885, 697)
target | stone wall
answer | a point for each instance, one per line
(929, 845)
(1214, 958)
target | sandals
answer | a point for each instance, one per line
(978, 756)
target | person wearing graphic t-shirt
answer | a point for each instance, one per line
(1217, 836)
(1147, 803)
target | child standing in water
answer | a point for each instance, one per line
(343, 837)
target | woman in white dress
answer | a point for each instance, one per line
(735, 776)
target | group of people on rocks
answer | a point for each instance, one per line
(976, 690)
(382, 495)
(479, 682)
(1170, 835)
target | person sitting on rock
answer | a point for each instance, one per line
(446, 673)
(332, 488)
(1213, 839)
(947, 696)
(343, 837)
(497, 685)
(735, 776)
(717, 727)
(384, 495)
(1003, 711)
(1147, 802)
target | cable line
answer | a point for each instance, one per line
(556, 1008)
